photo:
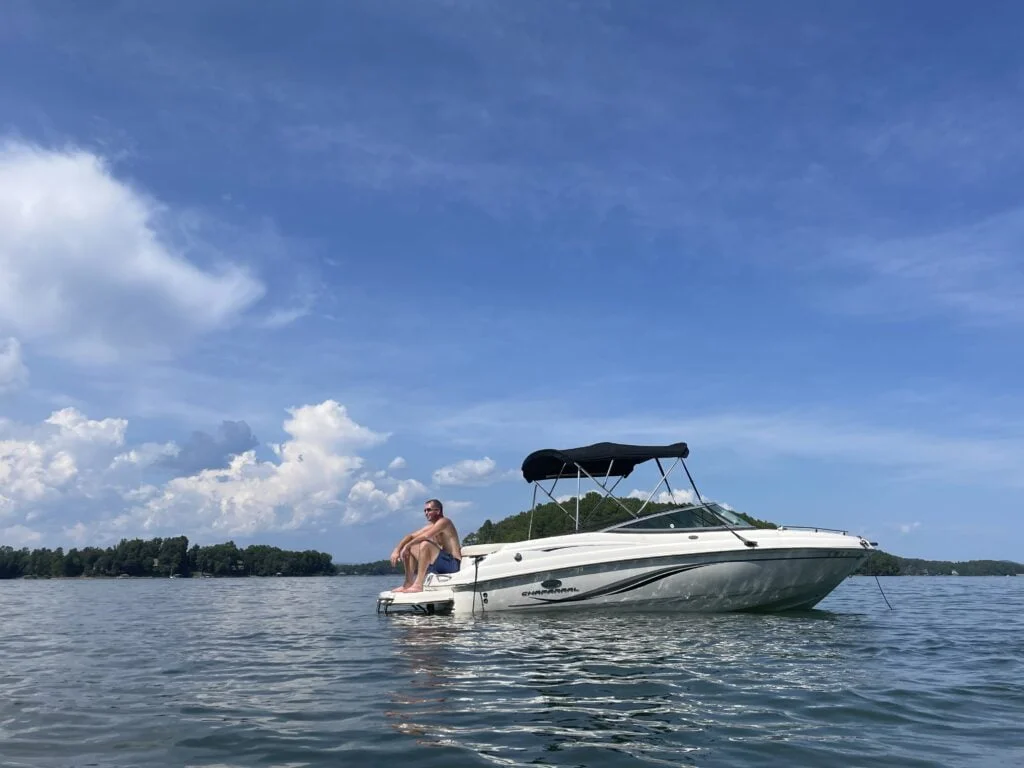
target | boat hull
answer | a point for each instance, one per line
(788, 570)
(792, 580)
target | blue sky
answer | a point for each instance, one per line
(279, 275)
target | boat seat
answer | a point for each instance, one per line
(476, 550)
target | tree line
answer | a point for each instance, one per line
(884, 564)
(163, 557)
(376, 568)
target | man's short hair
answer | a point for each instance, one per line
(436, 503)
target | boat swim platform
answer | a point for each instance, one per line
(428, 603)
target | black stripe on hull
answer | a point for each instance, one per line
(617, 587)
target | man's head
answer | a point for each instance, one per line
(433, 509)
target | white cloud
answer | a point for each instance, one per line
(315, 475)
(75, 426)
(19, 536)
(145, 455)
(396, 463)
(328, 425)
(367, 501)
(61, 454)
(909, 527)
(469, 472)
(13, 372)
(89, 272)
(314, 478)
(251, 495)
(31, 472)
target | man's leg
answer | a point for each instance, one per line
(410, 565)
(426, 553)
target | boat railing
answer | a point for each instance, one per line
(815, 528)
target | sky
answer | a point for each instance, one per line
(278, 274)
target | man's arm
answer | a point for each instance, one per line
(428, 531)
(405, 542)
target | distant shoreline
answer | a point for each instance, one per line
(162, 558)
(173, 558)
(193, 576)
(884, 564)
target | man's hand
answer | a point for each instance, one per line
(395, 554)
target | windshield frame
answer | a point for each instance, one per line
(726, 518)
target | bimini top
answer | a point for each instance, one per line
(614, 459)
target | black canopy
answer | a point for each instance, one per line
(549, 463)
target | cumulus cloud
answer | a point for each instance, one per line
(396, 463)
(203, 450)
(67, 452)
(13, 372)
(74, 426)
(469, 472)
(315, 468)
(89, 271)
(366, 500)
(70, 461)
(329, 424)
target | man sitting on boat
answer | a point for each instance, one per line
(434, 548)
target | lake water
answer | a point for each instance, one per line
(303, 672)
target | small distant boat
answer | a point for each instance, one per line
(696, 557)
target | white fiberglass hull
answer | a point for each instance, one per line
(697, 571)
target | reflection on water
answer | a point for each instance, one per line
(646, 686)
(304, 672)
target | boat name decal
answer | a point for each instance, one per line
(555, 591)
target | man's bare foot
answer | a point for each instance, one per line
(414, 588)
(403, 588)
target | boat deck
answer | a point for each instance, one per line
(429, 602)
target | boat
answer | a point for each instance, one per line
(698, 556)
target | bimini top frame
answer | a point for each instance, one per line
(616, 460)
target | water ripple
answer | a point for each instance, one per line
(302, 672)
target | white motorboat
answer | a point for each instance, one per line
(692, 557)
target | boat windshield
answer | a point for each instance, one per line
(710, 515)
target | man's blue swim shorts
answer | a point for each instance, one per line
(444, 563)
